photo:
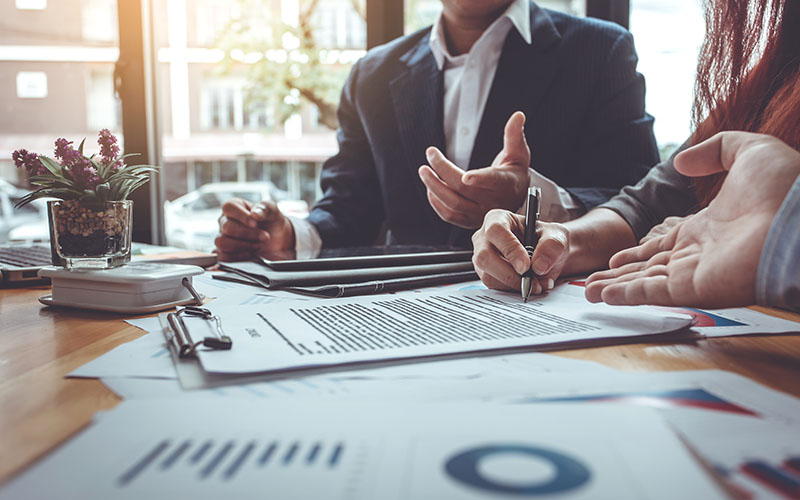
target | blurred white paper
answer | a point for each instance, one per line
(701, 394)
(522, 365)
(210, 287)
(146, 356)
(714, 322)
(311, 449)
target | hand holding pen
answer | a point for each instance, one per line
(501, 260)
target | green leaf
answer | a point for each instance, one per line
(102, 170)
(80, 148)
(51, 165)
(28, 198)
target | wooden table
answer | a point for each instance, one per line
(39, 408)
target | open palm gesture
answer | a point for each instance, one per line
(709, 259)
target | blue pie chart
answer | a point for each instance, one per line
(570, 473)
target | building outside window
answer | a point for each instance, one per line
(247, 90)
(56, 80)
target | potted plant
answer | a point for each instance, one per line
(91, 217)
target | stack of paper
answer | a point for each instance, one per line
(417, 395)
(308, 449)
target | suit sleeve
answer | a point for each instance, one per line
(350, 212)
(778, 276)
(618, 148)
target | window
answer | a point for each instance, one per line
(57, 69)
(248, 93)
(246, 90)
(668, 63)
(99, 20)
(31, 4)
(422, 13)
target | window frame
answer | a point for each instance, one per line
(134, 82)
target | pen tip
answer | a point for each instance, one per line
(524, 300)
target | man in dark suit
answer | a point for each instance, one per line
(455, 87)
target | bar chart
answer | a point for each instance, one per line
(763, 465)
(222, 461)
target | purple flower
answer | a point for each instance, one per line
(66, 153)
(29, 161)
(84, 174)
(109, 150)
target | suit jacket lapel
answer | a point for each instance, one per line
(523, 75)
(417, 97)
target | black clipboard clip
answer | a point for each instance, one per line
(181, 339)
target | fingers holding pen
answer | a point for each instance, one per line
(499, 257)
(551, 251)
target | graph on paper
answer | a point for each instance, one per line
(207, 460)
(699, 398)
(763, 465)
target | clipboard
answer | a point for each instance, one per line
(180, 340)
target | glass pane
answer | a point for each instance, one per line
(668, 62)
(56, 69)
(422, 13)
(247, 96)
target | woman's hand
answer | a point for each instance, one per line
(661, 229)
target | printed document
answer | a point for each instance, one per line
(285, 336)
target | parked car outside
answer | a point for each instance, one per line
(26, 223)
(191, 221)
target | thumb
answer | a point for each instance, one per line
(713, 155)
(515, 147)
(266, 213)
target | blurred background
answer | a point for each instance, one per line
(239, 96)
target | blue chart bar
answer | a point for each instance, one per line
(200, 453)
(774, 478)
(267, 454)
(175, 455)
(209, 468)
(312, 455)
(287, 459)
(142, 464)
(231, 471)
(337, 453)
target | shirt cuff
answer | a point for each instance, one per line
(778, 276)
(307, 241)
(557, 204)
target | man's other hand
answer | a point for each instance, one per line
(463, 198)
(248, 230)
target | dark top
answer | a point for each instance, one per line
(662, 193)
(586, 127)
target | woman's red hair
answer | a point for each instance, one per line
(748, 74)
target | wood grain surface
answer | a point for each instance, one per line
(39, 408)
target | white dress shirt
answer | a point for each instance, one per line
(467, 81)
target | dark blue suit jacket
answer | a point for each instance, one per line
(586, 127)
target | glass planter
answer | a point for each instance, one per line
(90, 235)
